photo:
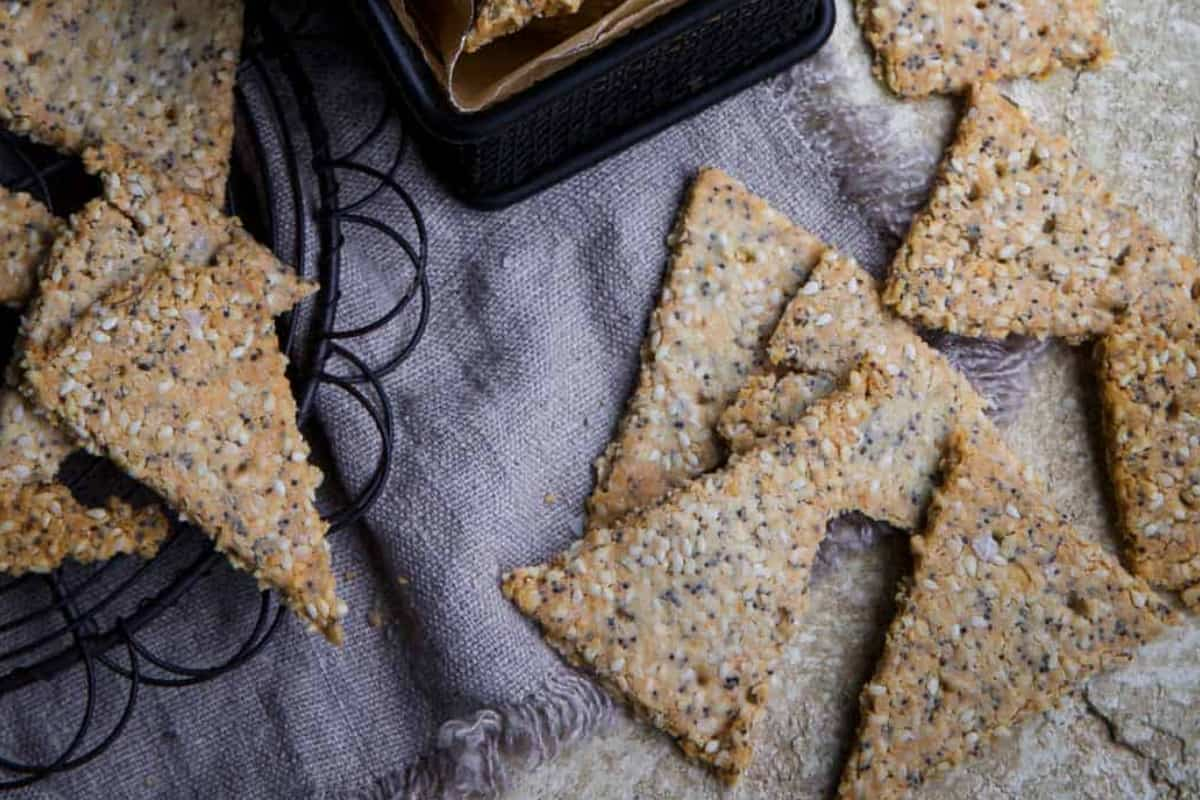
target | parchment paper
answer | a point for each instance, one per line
(475, 81)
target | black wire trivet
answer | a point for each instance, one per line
(119, 621)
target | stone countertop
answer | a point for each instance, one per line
(1133, 733)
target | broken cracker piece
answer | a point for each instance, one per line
(177, 225)
(176, 375)
(498, 18)
(26, 230)
(42, 525)
(1020, 238)
(735, 262)
(925, 47)
(835, 319)
(769, 402)
(1150, 392)
(31, 448)
(682, 608)
(155, 77)
(1008, 610)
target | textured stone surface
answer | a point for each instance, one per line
(1134, 733)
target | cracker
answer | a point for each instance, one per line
(26, 230)
(42, 525)
(735, 262)
(1009, 609)
(682, 608)
(833, 321)
(498, 18)
(156, 78)
(31, 449)
(1019, 237)
(175, 224)
(176, 375)
(1150, 392)
(925, 47)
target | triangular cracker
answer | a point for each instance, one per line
(925, 47)
(155, 77)
(42, 525)
(1019, 237)
(735, 262)
(497, 18)
(682, 608)
(26, 230)
(177, 376)
(1009, 609)
(1150, 386)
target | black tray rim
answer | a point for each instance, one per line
(433, 113)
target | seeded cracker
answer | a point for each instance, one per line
(924, 47)
(26, 230)
(1151, 397)
(155, 77)
(42, 525)
(1019, 237)
(497, 18)
(183, 386)
(735, 262)
(175, 224)
(1009, 609)
(31, 449)
(682, 608)
(833, 321)
(769, 402)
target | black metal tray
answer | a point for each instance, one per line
(676, 66)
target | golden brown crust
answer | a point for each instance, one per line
(497, 18)
(42, 525)
(1008, 610)
(1019, 237)
(925, 47)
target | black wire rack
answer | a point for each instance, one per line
(112, 630)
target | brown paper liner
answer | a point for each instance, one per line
(476, 81)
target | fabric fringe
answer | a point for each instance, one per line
(478, 757)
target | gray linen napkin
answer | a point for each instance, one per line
(442, 689)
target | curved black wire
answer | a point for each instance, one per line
(76, 611)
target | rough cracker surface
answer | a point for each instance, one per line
(769, 402)
(497, 18)
(175, 224)
(31, 448)
(99, 250)
(835, 318)
(735, 262)
(1008, 610)
(1150, 390)
(925, 47)
(42, 525)
(682, 609)
(155, 77)
(177, 376)
(833, 321)
(1019, 237)
(26, 230)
